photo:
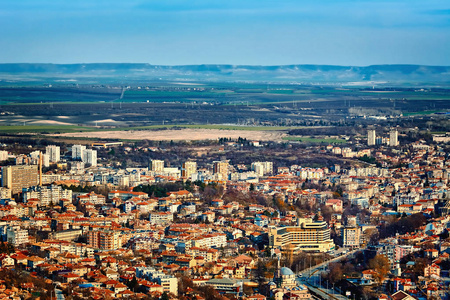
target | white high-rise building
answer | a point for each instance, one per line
(77, 152)
(393, 138)
(54, 153)
(36, 155)
(262, 168)
(3, 155)
(90, 157)
(156, 165)
(47, 195)
(16, 236)
(371, 137)
(188, 168)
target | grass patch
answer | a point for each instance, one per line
(44, 128)
(425, 112)
(73, 128)
(283, 92)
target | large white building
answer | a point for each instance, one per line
(161, 217)
(77, 152)
(37, 155)
(393, 138)
(54, 153)
(215, 240)
(20, 176)
(262, 168)
(16, 236)
(47, 195)
(351, 236)
(157, 165)
(188, 168)
(371, 137)
(90, 157)
(306, 236)
(3, 155)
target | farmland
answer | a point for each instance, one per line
(239, 106)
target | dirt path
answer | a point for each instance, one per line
(182, 134)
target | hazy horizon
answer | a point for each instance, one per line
(259, 33)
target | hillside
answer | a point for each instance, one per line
(288, 73)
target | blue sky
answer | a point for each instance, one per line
(254, 32)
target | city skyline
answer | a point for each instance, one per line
(347, 32)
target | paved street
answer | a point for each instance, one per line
(311, 278)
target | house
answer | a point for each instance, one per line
(401, 295)
(336, 204)
(256, 297)
(432, 270)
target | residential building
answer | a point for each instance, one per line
(92, 198)
(262, 168)
(46, 194)
(54, 153)
(157, 166)
(3, 155)
(188, 168)
(20, 176)
(105, 240)
(221, 169)
(351, 236)
(77, 152)
(90, 157)
(371, 137)
(393, 138)
(16, 236)
(160, 217)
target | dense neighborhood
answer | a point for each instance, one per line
(74, 225)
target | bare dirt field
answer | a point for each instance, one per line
(182, 134)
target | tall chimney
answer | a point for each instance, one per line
(40, 168)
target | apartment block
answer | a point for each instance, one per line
(157, 165)
(19, 177)
(54, 153)
(188, 168)
(104, 240)
(47, 194)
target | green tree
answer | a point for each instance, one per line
(164, 296)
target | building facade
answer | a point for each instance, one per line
(157, 165)
(393, 138)
(188, 168)
(371, 137)
(306, 236)
(19, 177)
(54, 153)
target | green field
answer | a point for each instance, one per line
(425, 112)
(144, 95)
(44, 129)
(73, 128)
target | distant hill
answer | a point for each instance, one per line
(286, 73)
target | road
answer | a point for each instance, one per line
(312, 279)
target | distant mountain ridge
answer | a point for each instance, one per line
(282, 73)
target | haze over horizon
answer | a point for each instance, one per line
(176, 32)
